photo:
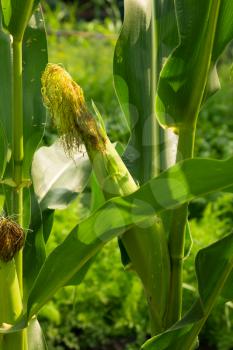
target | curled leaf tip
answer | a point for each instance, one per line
(65, 101)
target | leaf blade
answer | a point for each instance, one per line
(177, 185)
(181, 85)
(16, 15)
(213, 267)
(33, 108)
(57, 178)
(135, 54)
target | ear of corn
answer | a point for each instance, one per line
(66, 103)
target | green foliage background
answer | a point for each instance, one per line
(108, 310)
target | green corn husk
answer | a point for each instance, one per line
(146, 246)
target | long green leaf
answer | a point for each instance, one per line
(179, 79)
(134, 77)
(179, 184)
(47, 218)
(34, 250)
(2, 199)
(116, 216)
(5, 95)
(224, 34)
(3, 150)
(213, 266)
(184, 76)
(16, 15)
(166, 26)
(224, 31)
(34, 64)
(227, 292)
(97, 199)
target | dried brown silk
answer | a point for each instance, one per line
(11, 239)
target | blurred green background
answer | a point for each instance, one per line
(108, 310)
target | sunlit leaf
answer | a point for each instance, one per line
(16, 15)
(57, 178)
(35, 58)
(5, 95)
(166, 26)
(134, 55)
(204, 31)
(179, 184)
(213, 266)
(176, 102)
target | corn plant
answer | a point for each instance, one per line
(164, 71)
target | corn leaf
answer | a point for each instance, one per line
(224, 31)
(5, 105)
(187, 68)
(224, 34)
(148, 35)
(34, 64)
(179, 184)
(213, 267)
(57, 178)
(47, 218)
(213, 264)
(57, 181)
(176, 102)
(16, 14)
(5, 97)
(34, 250)
(3, 150)
(137, 61)
(97, 199)
(166, 27)
(134, 55)
(2, 199)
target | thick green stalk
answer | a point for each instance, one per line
(149, 162)
(145, 246)
(138, 43)
(13, 306)
(18, 152)
(177, 235)
(184, 151)
(16, 18)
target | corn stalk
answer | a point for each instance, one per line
(164, 70)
